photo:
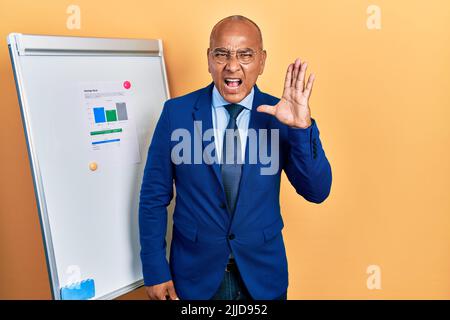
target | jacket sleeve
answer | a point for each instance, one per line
(156, 194)
(307, 167)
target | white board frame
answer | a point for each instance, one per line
(26, 45)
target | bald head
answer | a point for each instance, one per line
(235, 57)
(234, 20)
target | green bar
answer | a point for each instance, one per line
(93, 133)
(111, 115)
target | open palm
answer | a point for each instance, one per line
(293, 107)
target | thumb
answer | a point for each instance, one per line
(172, 293)
(267, 109)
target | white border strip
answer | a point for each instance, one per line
(56, 45)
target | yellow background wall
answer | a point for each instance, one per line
(381, 100)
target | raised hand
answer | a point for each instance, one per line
(293, 108)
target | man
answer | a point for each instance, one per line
(227, 241)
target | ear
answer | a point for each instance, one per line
(207, 58)
(262, 62)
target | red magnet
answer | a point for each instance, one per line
(127, 85)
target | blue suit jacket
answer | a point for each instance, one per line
(203, 230)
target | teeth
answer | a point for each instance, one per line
(232, 80)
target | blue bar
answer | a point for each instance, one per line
(105, 141)
(99, 115)
(80, 291)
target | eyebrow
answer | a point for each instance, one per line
(225, 49)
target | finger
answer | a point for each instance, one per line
(162, 295)
(297, 65)
(172, 293)
(287, 81)
(267, 109)
(299, 84)
(152, 295)
(309, 85)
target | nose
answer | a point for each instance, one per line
(232, 64)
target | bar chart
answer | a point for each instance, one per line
(102, 115)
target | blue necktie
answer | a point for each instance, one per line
(231, 165)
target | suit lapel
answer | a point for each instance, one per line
(203, 113)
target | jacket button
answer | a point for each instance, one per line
(222, 205)
(231, 236)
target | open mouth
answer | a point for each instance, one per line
(233, 82)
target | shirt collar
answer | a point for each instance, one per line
(219, 101)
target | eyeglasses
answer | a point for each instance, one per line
(244, 56)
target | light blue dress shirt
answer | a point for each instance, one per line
(220, 118)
